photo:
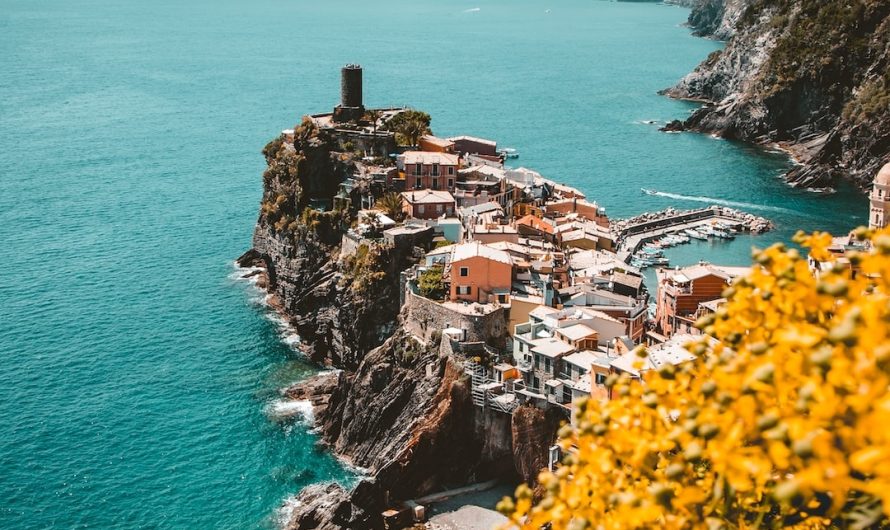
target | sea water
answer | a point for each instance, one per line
(139, 377)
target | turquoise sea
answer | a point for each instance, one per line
(137, 377)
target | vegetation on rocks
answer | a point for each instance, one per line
(872, 103)
(811, 74)
(365, 268)
(821, 41)
(431, 284)
(391, 204)
(780, 422)
(409, 126)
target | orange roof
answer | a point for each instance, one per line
(536, 223)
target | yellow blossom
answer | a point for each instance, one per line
(784, 422)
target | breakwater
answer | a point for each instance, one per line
(631, 234)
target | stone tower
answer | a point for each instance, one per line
(350, 107)
(351, 86)
(879, 200)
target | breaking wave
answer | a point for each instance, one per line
(284, 409)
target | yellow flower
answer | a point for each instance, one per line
(783, 422)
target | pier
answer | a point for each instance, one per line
(632, 233)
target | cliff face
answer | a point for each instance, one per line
(812, 75)
(404, 416)
(716, 18)
(398, 408)
(407, 418)
(341, 307)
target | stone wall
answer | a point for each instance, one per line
(422, 316)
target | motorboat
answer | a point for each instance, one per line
(695, 234)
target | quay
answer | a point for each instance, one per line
(631, 234)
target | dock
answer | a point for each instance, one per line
(632, 233)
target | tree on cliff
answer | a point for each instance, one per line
(391, 204)
(431, 283)
(409, 126)
(782, 421)
(373, 115)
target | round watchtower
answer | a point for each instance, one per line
(351, 86)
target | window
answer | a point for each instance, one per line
(463, 289)
(464, 272)
(451, 170)
(438, 207)
(435, 183)
(418, 169)
(450, 183)
(547, 364)
(600, 379)
(435, 171)
(420, 209)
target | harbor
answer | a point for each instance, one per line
(641, 240)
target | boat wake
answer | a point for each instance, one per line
(473, 10)
(721, 202)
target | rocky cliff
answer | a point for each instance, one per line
(810, 75)
(341, 308)
(406, 416)
(398, 408)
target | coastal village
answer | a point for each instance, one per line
(524, 278)
(527, 278)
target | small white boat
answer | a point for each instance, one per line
(695, 234)
(509, 152)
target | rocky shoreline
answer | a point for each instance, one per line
(823, 98)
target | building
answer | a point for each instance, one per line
(494, 233)
(630, 310)
(435, 144)
(546, 355)
(531, 226)
(480, 184)
(879, 200)
(581, 207)
(427, 204)
(579, 336)
(681, 291)
(585, 235)
(428, 170)
(475, 146)
(838, 250)
(585, 373)
(479, 273)
(672, 352)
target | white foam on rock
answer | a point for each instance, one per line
(289, 408)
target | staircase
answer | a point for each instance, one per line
(477, 373)
(479, 378)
